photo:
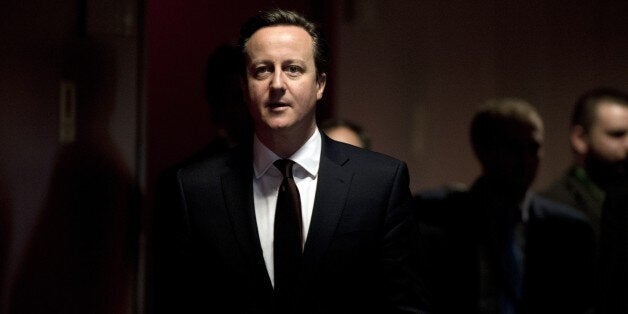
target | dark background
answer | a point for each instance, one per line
(75, 218)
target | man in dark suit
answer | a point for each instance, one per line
(596, 183)
(599, 141)
(498, 248)
(325, 234)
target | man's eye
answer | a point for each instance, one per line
(617, 134)
(294, 69)
(261, 71)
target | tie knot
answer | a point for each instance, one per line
(284, 166)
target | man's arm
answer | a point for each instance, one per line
(405, 291)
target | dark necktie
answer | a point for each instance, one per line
(288, 235)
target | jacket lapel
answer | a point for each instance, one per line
(331, 194)
(237, 190)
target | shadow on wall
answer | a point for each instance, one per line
(81, 255)
(229, 113)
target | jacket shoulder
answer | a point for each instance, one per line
(356, 156)
(214, 165)
(546, 208)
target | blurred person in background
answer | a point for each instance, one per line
(347, 132)
(599, 140)
(497, 247)
(597, 185)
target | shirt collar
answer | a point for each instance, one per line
(525, 207)
(307, 157)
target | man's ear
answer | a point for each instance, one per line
(579, 140)
(321, 80)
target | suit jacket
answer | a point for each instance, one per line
(575, 189)
(613, 261)
(559, 254)
(354, 255)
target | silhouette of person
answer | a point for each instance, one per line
(498, 247)
(80, 257)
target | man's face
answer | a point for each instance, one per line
(514, 159)
(281, 81)
(607, 142)
(345, 135)
(608, 137)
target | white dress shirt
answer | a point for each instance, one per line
(266, 187)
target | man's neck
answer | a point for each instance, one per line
(502, 190)
(285, 143)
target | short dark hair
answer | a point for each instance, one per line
(585, 109)
(494, 116)
(276, 17)
(223, 92)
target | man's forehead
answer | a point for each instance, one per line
(280, 33)
(610, 112)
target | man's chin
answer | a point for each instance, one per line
(278, 123)
(280, 126)
(607, 173)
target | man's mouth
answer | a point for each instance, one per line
(275, 105)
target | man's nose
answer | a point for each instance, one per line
(277, 80)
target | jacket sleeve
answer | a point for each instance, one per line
(404, 288)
